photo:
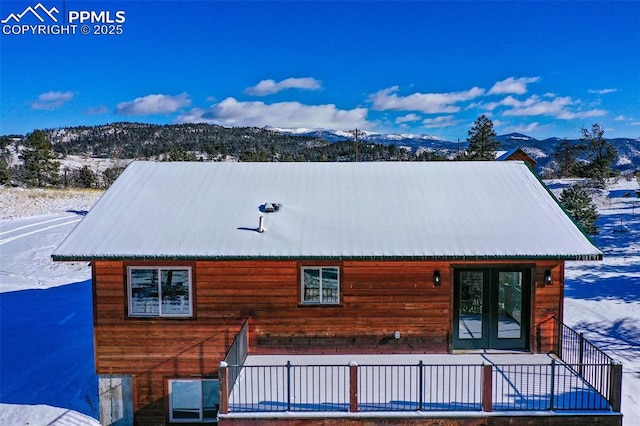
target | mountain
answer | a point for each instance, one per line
(540, 150)
(416, 143)
(206, 141)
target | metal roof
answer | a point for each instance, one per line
(381, 210)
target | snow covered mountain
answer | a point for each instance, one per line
(540, 150)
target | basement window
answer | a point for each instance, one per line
(320, 285)
(160, 292)
(193, 401)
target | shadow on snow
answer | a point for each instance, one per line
(47, 348)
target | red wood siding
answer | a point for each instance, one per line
(377, 298)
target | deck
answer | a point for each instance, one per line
(396, 383)
(576, 383)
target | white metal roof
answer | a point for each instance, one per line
(419, 210)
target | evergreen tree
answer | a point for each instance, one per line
(5, 176)
(482, 142)
(5, 157)
(85, 178)
(179, 154)
(40, 167)
(110, 175)
(566, 157)
(578, 203)
(600, 154)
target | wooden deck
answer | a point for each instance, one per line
(410, 385)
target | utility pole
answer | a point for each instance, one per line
(355, 134)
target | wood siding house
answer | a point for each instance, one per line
(516, 154)
(313, 259)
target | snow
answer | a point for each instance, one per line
(46, 346)
(387, 210)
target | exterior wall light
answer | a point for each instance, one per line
(548, 278)
(436, 278)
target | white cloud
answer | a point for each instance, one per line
(407, 118)
(194, 115)
(620, 118)
(523, 128)
(428, 103)
(98, 110)
(231, 112)
(602, 91)
(153, 104)
(569, 115)
(269, 87)
(557, 107)
(441, 121)
(517, 86)
(52, 100)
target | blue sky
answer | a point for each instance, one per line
(540, 68)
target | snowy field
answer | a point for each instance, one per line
(46, 345)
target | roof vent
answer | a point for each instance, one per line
(270, 207)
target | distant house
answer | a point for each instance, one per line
(258, 263)
(516, 154)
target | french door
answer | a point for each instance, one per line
(491, 308)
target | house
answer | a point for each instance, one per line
(516, 154)
(445, 262)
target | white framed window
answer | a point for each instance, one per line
(164, 291)
(320, 285)
(193, 400)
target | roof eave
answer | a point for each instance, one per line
(142, 257)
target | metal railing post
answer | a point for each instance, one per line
(580, 354)
(420, 385)
(288, 385)
(487, 387)
(223, 392)
(353, 386)
(553, 383)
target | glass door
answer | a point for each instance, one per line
(471, 308)
(491, 308)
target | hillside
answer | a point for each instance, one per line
(206, 142)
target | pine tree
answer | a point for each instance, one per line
(85, 178)
(600, 154)
(40, 167)
(5, 160)
(578, 203)
(566, 157)
(482, 142)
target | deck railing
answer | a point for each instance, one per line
(589, 362)
(584, 378)
(417, 387)
(555, 386)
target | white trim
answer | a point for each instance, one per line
(319, 268)
(159, 270)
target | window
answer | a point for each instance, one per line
(321, 285)
(193, 400)
(160, 292)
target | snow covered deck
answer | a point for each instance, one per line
(271, 384)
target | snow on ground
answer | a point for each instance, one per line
(46, 337)
(602, 299)
(46, 343)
